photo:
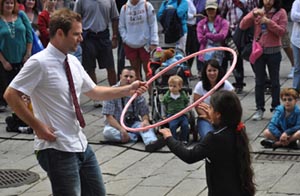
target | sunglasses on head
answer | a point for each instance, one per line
(287, 99)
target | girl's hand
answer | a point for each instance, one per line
(204, 111)
(264, 20)
(166, 133)
(258, 12)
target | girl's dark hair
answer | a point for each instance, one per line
(205, 81)
(229, 106)
(276, 5)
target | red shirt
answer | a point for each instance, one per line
(43, 25)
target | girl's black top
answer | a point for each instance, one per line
(219, 151)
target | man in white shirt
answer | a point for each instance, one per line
(61, 147)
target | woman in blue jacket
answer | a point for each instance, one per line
(181, 7)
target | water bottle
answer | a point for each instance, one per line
(263, 27)
(27, 130)
(158, 53)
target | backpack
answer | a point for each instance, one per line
(171, 23)
(243, 40)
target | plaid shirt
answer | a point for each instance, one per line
(233, 13)
(115, 107)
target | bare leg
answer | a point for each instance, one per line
(289, 52)
(145, 67)
(136, 64)
(111, 76)
(93, 76)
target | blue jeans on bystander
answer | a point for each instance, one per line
(203, 127)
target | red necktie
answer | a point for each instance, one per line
(73, 93)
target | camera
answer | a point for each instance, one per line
(130, 118)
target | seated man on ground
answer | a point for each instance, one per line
(284, 128)
(137, 116)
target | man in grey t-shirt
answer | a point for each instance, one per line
(97, 45)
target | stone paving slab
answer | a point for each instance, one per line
(127, 170)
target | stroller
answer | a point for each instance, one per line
(160, 85)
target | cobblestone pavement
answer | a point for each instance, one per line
(130, 171)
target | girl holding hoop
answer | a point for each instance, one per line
(225, 150)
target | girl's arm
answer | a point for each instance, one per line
(182, 9)
(200, 32)
(274, 124)
(197, 153)
(277, 25)
(152, 24)
(199, 111)
(247, 20)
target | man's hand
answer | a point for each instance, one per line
(124, 136)
(45, 132)
(138, 87)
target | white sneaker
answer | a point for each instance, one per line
(97, 104)
(291, 74)
(258, 115)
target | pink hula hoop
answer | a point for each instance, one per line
(190, 106)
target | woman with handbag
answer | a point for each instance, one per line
(15, 43)
(269, 21)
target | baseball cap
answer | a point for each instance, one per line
(211, 4)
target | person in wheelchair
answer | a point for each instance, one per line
(137, 116)
(174, 101)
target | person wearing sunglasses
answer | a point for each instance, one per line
(284, 127)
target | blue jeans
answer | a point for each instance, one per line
(272, 61)
(112, 134)
(203, 127)
(72, 173)
(296, 81)
(183, 122)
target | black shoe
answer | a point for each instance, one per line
(293, 145)
(267, 143)
(156, 145)
(268, 91)
(239, 90)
